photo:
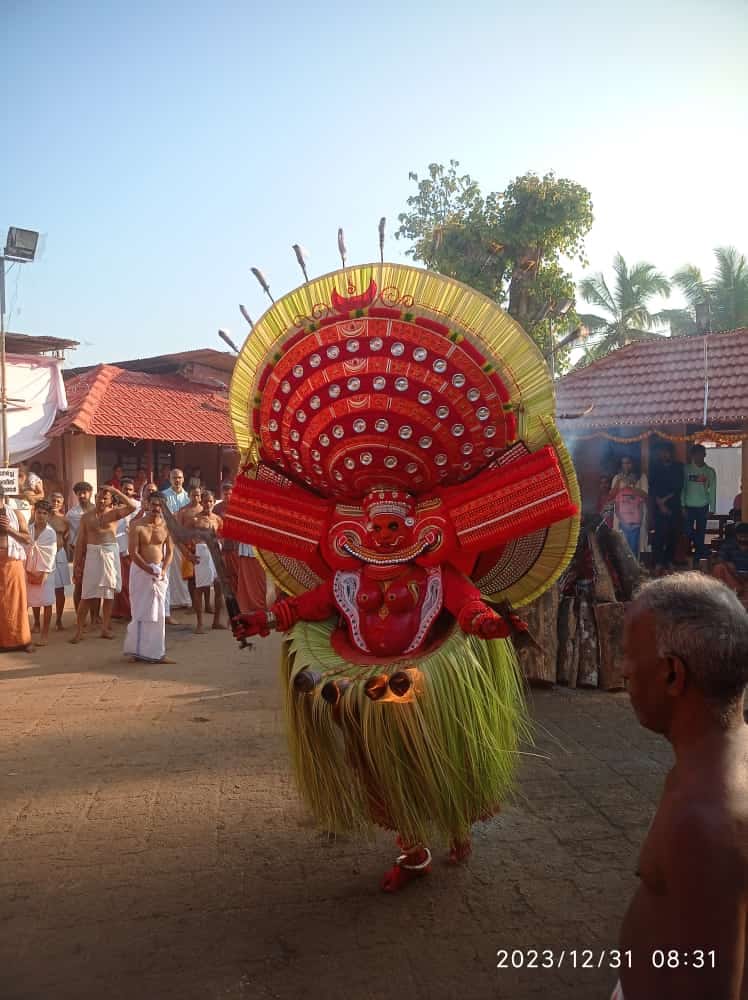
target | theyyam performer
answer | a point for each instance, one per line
(405, 485)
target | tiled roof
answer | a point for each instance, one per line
(108, 401)
(660, 382)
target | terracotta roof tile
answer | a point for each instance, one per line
(112, 402)
(660, 382)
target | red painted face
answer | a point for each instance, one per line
(388, 533)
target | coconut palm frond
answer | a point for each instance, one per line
(690, 281)
(595, 291)
(647, 281)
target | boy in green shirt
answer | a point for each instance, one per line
(699, 497)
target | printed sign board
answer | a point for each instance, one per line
(9, 481)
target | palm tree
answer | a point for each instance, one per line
(719, 304)
(626, 307)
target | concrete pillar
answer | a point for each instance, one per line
(80, 460)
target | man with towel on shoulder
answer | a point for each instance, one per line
(97, 562)
(151, 551)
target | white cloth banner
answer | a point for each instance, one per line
(36, 392)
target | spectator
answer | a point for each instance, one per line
(665, 489)
(737, 506)
(195, 480)
(51, 481)
(164, 478)
(41, 556)
(36, 469)
(59, 522)
(141, 478)
(732, 567)
(177, 497)
(14, 619)
(116, 480)
(604, 504)
(685, 661)
(229, 547)
(630, 495)
(83, 491)
(121, 607)
(699, 498)
(30, 487)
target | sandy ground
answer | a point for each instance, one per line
(152, 845)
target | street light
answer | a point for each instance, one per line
(20, 248)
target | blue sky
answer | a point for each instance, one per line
(164, 148)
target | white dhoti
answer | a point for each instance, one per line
(62, 570)
(146, 633)
(205, 570)
(179, 592)
(102, 576)
(41, 559)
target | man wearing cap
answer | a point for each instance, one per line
(14, 620)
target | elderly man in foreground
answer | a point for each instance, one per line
(686, 664)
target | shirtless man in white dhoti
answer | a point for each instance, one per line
(40, 570)
(151, 551)
(59, 522)
(205, 571)
(96, 561)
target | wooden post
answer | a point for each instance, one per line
(744, 478)
(149, 462)
(586, 640)
(568, 664)
(609, 620)
(539, 662)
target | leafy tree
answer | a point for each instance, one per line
(717, 304)
(627, 317)
(507, 244)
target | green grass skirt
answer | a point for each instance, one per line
(428, 767)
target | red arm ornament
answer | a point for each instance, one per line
(473, 615)
(314, 606)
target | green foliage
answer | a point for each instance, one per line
(625, 305)
(507, 244)
(717, 304)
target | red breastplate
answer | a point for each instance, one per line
(389, 617)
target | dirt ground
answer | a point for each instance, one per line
(152, 845)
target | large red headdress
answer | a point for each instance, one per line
(413, 392)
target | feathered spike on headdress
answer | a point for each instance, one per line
(300, 255)
(382, 224)
(245, 314)
(223, 334)
(341, 246)
(263, 283)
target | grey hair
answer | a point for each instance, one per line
(702, 622)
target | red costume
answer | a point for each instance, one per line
(400, 502)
